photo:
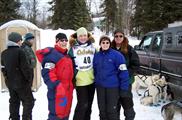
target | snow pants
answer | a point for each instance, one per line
(107, 102)
(127, 103)
(59, 103)
(85, 95)
(25, 96)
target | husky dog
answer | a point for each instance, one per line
(163, 87)
(145, 81)
(157, 91)
(169, 110)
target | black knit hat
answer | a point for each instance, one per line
(14, 37)
(103, 38)
(29, 36)
(60, 36)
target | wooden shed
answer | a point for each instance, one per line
(22, 27)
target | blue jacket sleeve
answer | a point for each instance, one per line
(49, 78)
(49, 74)
(122, 72)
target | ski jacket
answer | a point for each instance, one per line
(82, 56)
(110, 70)
(31, 58)
(132, 61)
(14, 67)
(57, 72)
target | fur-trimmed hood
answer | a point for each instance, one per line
(73, 39)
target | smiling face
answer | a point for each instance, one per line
(118, 37)
(83, 38)
(105, 44)
(62, 43)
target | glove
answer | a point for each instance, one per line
(125, 93)
(60, 91)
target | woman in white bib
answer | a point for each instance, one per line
(82, 52)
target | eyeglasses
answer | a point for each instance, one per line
(62, 40)
(105, 42)
(116, 36)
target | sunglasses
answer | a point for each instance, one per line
(62, 40)
(105, 42)
(116, 36)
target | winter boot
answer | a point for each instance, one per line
(14, 118)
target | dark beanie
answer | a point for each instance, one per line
(60, 36)
(103, 38)
(29, 36)
(14, 37)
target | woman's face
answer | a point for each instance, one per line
(118, 37)
(82, 38)
(62, 43)
(105, 44)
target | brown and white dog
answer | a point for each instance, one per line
(172, 111)
(144, 81)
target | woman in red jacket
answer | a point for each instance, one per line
(57, 72)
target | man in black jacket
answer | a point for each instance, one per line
(29, 38)
(17, 78)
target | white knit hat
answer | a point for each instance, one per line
(81, 31)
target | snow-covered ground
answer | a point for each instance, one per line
(40, 110)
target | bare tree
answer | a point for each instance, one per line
(44, 15)
(124, 13)
(29, 10)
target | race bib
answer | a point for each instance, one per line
(84, 57)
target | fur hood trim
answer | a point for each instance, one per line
(73, 39)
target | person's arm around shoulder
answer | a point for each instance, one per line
(123, 76)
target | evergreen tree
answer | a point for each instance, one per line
(136, 20)
(155, 15)
(70, 14)
(9, 10)
(109, 11)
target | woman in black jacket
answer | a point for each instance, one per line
(120, 43)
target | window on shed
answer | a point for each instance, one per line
(179, 38)
(168, 38)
